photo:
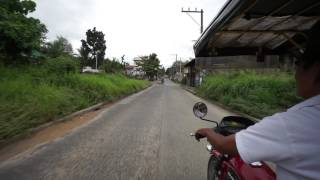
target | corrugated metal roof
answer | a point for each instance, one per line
(247, 25)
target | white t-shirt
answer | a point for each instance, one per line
(290, 139)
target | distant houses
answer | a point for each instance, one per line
(135, 70)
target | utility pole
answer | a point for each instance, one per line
(97, 61)
(195, 11)
(180, 66)
(176, 58)
(176, 64)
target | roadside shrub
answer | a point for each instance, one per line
(112, 66)
(31, 96)
(62, 65)
(256, 94)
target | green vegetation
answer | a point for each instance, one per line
(58, 47)
(33, 95)
(151, 65)
(255, 94)
(93, 48)
(20, 35)
(112, 66)
(40, 81)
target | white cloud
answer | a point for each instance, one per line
(132, 28)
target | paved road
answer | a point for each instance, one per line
(145, 136)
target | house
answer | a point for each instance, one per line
(254, 34)
(191, 74)
(177, 71)
(137, 60)
(135, 71)
(258, 27)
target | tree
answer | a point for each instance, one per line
(150, 64)
(123, 62)
(19, 35)
(162, 71)
(93, 48)
(84, 54)
(59, 47)
(112, 66)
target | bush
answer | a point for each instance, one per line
(30, 96)
(112, 66)
(62, 65)
(256, 94)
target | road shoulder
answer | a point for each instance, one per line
(48, 132)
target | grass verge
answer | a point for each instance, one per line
(258, 95)
(31, 96)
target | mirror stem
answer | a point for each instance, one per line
(210, 121)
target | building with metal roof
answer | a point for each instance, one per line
(245, 27)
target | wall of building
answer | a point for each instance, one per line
(206, 65)
(236, 62)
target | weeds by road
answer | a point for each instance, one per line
(30, 96)
(255, 94)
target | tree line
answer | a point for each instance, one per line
(23, 42)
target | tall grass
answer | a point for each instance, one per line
(255, 94)
(31, 96)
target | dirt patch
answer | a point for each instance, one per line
(48, 134)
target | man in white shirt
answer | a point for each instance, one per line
(289, 139)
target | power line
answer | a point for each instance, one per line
(195, 11)
(193, 19)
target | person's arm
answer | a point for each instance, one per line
(224, 144)
(267, 140)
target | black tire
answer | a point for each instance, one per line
(213, 168)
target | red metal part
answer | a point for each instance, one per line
(244, 171)
(216, 153)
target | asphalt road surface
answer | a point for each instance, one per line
(145, 136)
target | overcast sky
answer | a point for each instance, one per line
(131, 27)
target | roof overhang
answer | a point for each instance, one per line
(244, 27)
(191, 63)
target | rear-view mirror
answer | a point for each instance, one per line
(200, 110)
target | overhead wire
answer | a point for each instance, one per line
(193, 19)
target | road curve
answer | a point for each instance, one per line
(144, 136)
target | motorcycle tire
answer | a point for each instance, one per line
(213, 168)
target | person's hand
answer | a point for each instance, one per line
(201, 133)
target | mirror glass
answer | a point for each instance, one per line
(200, 110)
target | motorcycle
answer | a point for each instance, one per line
(222, 166)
